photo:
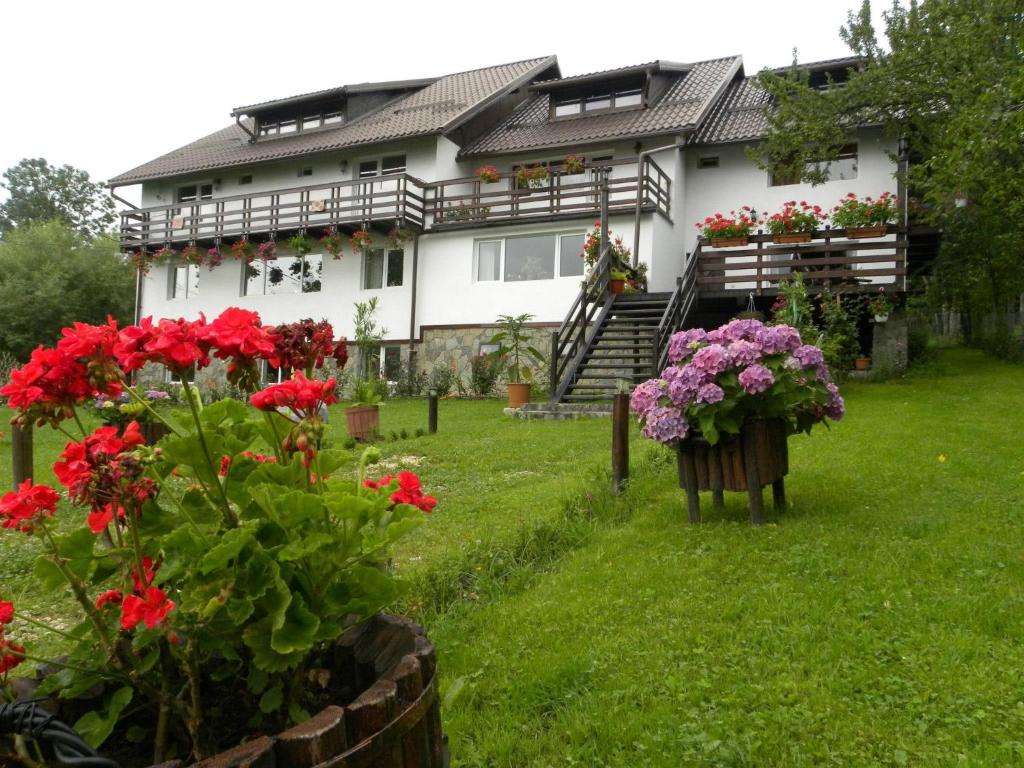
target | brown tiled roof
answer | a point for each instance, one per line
(390, 85)
(434, 109)
(681, 108)
(738, 116)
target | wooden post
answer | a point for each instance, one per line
(620, 442)
(748, 436)
(21, 453)
(779, 494)
(432, 412)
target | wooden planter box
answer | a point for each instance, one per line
(362, 421)
(756, 457)
(728, 242)
(796, 237)
(860, 233)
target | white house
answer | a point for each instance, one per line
(670, 138)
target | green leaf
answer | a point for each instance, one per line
(94, 727)
(257, 638)
(232, 542)
(297, 713)
(304, 546)
(271, 700)
(298, 630)
(47, 574)
(76, 548)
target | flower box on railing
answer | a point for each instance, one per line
(729, 242)
(795, 237)
(861, 233)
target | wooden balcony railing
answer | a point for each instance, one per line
(397, 197)
(829, 259)
(469, 202)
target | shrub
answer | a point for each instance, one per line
(442, 379)
(410, 382)
(483, 375)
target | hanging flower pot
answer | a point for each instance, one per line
(362, 241)
(863, 218)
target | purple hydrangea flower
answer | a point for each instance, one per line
(745, 352)
(712, 359)
(680, 346)
(156, 394)
(645, 396)
(683, 382)
(809, 356)
(742, 330)
(836, 408)
(710, 393)
(775, 339)
(666, 425)
(756, 378)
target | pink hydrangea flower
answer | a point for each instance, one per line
(710, 394)
(666, 425)
(681, 345)
(712, 359)
(755, 379)
(645, 397)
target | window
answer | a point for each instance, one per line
(392, 362)
(273, 375)
(627, 98)
(707, 162)
(174, 378)
(332, 118)
(393, 164)
(383, 269)
(194, 192)
(843, 168)
(307, 171)
(367, 169)
(284, 275)
(566, 108)
(184, 281)
(595, 103)
(307, 122)
(530, 257)
(247, 179)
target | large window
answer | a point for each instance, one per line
(383, 268)
(532, 257)
(844, 168)
(194, 192)
(184, 281)
(285, 274)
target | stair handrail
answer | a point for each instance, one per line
(568, 343)
(680, 304)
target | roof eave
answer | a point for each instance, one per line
(389, 85)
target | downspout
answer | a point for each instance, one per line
(412, 308)
(639, 194)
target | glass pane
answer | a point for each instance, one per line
(570, 263)
(187, 194)
(367, 168)
(627, 99)
(396, 267)
(206, 191)
(530, 258)
(373, 269)
(598, 102)
(392, 362)
(313, 121)
(312, 271)
(179, 287)
(331, 119)
(567, 108)
(254, 278)
(283, 275)
(488, 266)
(288, 126)
(393, 164)
(843, 169)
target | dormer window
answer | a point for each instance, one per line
(601, 101)
(308, 121)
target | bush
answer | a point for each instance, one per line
(410, 382)
(483, 375)
(443, 379)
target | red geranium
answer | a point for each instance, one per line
(152, 608)
(305, 345)
(178, 344)
(47, 387)
(239, 336)
(22, 508)
(300, 395)
(110, 597)
(6, 612)
(11, 655)
(409, 490)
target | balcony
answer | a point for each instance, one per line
(830, 259)
(469, 202)
(383, 201)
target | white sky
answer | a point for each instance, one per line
(107, 84)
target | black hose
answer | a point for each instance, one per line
(26, 718)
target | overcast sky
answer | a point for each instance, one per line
(107, 85)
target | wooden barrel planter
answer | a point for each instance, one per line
(757, 456)
(362, 421)
(393, 722)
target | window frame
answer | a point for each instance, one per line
(172, 281)
(558, 236)
(848, 151)
(385, 274)
(245, 292)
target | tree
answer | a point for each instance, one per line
(40, 192)
(951, 83)
(50, 276)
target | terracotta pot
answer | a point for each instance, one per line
(859, 233)
(616, 286)
(862, 363)
(518, 394)
(363, 421)
(795, 237)
(728, 242)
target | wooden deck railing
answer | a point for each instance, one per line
(397, 197)
(469, 202)
(829, 259)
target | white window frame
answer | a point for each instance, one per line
(385, 253)
(245, 277)
(172, 281)
(558, 235)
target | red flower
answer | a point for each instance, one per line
(6, 612)
(110, 597)
(101, 517)
(178, 344)
(304, 345)
(22, 508)
(47, 387)
(149, 573)
(300, 395)
(408, 492)
(238, 335)
(152, 608)
(11, 655)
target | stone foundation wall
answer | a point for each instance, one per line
(455, 347)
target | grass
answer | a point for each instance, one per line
(875, 622)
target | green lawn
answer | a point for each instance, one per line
(878, 621)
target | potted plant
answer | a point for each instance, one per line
(223, 565)
(865, 218)
(398, 236)
(880, 306)
(363, 416)
(724, 232)
(617, 281)
(729, 398)
(190, 254)
(332, 242)
(214, 258)
(515, 353)
(139, 405)
(532, 176)
(266, 251)
(862, 363)
(243, 250)
(142, 260)
(299, 244)
(794, 223)
(574, 164)
(488, 174)
(362, 241)
(619, 254)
